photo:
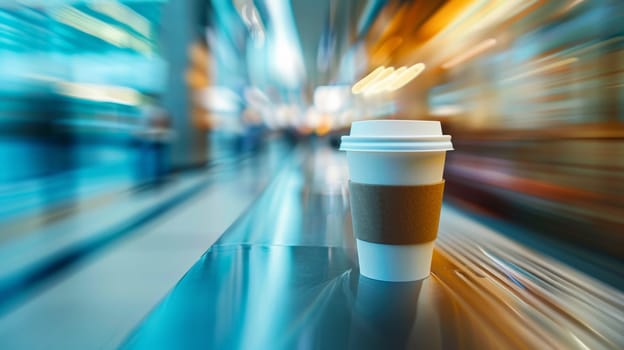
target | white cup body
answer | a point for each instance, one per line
(388, 262)
(394, 263)
(396, 168)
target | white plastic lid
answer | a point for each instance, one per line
(396, 136)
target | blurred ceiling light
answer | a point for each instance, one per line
(101, 93)
(287, 63)
(124, 14)
(219, 99)
(406, 76)
(100, 29)
(387, 79)
(372, 80)
(386, 83)
(372, 76)
(472, 52)
(379, 83)
(331, 99)
(383, 84)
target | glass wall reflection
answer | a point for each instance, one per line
(80, 102)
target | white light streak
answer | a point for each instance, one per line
(387, 79)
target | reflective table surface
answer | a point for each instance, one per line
(285, 276)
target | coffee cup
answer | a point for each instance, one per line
(396, 185)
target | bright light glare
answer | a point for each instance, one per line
(372, 76)
(385, 79)
(408, 75)
(375, 80)
(331, 99)
(287, 59)
(378, 84)
(219, 99)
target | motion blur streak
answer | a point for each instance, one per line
(534, 104)
(134, 132)
(474, 51)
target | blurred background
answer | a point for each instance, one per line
(107, 102)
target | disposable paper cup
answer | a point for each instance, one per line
(396, 166)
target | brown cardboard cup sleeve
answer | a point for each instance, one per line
(398, 215)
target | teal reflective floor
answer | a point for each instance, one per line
(86, 280)
(285, 276)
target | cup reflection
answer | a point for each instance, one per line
(395, 315)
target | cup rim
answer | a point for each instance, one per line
(397, 147)
(423, 138)
(427, 143)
